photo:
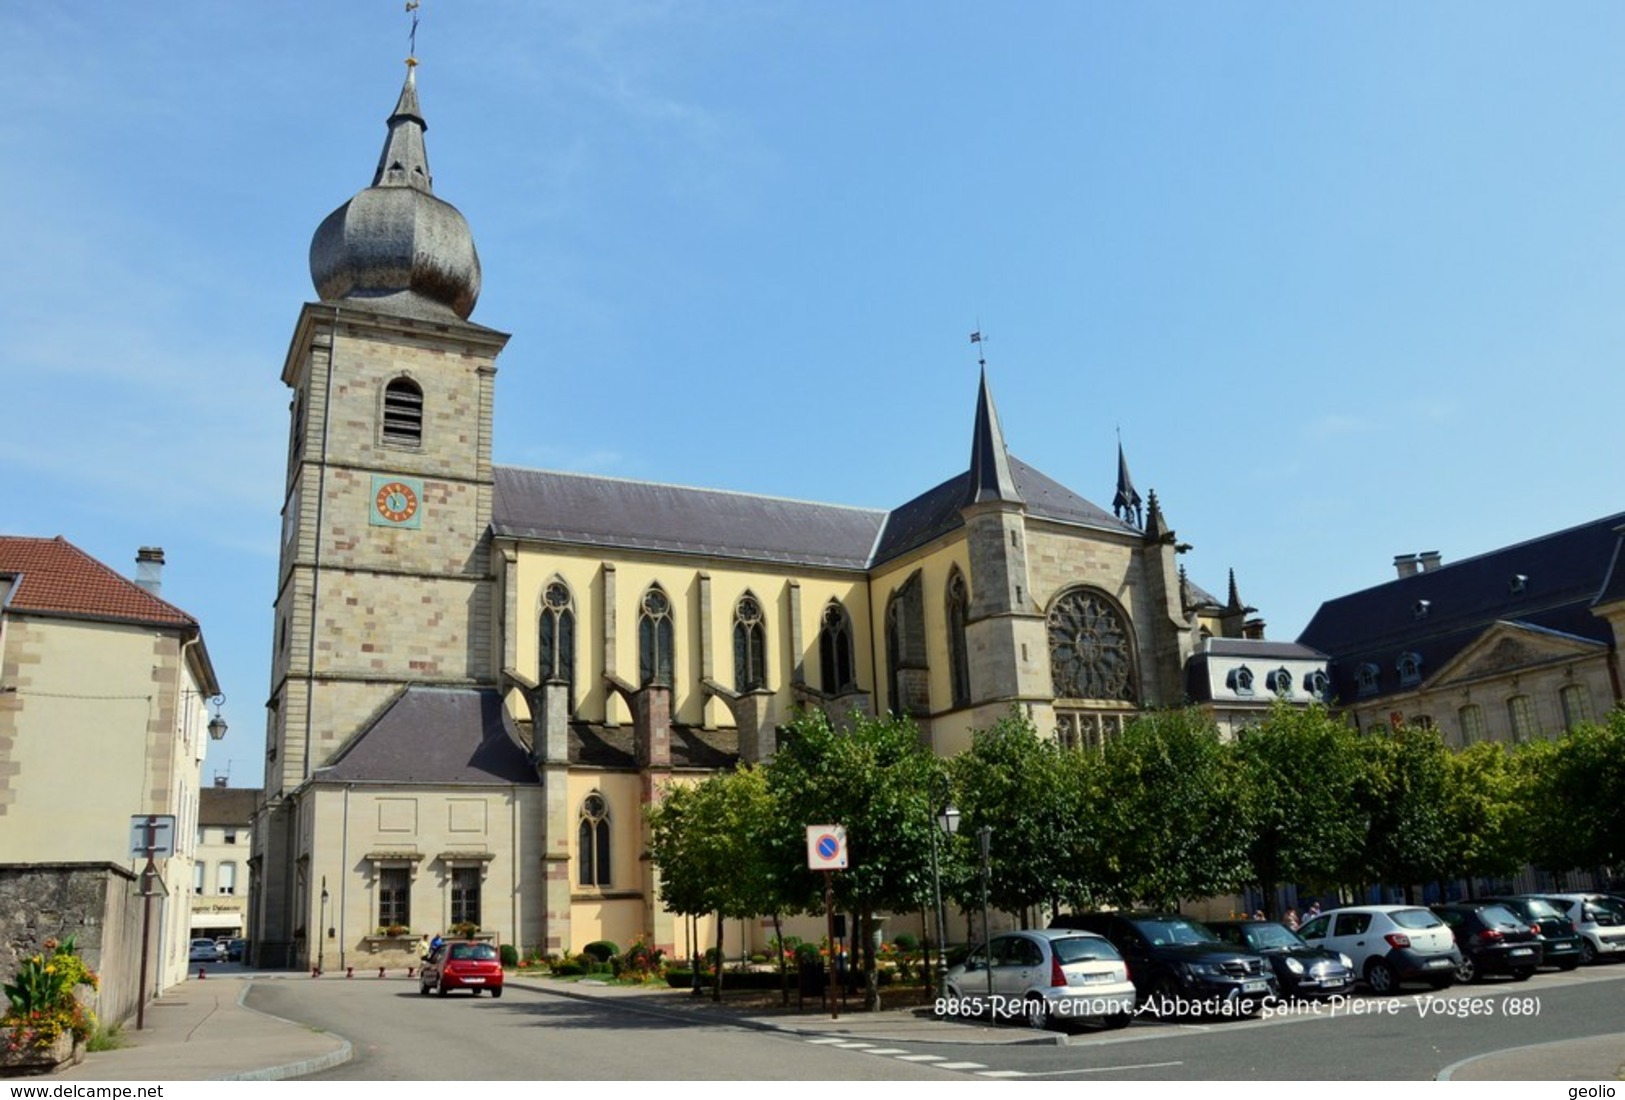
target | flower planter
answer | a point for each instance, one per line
(20, 1056)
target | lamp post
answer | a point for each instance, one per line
(984, 837)
(321, 940)
(946, 819)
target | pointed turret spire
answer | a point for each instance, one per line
(1156, 528)
(990, 476)
(1126, 504)
(1235, 597)
(405, 159)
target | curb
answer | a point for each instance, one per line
(302, 1068)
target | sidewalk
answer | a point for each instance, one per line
(201, 1030)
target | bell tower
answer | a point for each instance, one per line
(384, 574)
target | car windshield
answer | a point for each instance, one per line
(1603, 913)
(1536, 909)
(1174, 930)
(1264, 937)
(480, 951)
(1084, 949)
(1415, 918)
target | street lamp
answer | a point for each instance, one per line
(321, 940)
(946, 819)
(217, 724)
(984, 836)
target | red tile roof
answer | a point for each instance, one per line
(55, 577)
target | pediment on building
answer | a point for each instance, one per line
(1505, 648)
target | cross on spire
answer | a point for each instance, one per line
(412, 39)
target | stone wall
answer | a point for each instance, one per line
(93, 902)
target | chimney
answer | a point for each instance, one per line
(221, 780)
(149, 568)
(1406, 564)
(1429, 560)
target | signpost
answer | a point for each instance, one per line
(826, 852)
(151, 836)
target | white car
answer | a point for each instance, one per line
(202, 951)
(1045, 977)
(1389, 944)
(1600, 922)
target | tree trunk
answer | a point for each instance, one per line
(716, 989)
(784, 970)
(871, 977)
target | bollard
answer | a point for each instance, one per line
(202, 973)
(409, 971)
(380, 972)
(349, 972)
(315, 971)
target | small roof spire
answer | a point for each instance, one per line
(1126, 504)
(990, 476)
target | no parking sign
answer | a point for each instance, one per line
(826, 847)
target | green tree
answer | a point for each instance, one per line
(1299, 771)
(1023, 787)
(875, 779)
(1484, 814)
(1404, 799)
(1576, 793)
(1168, 807)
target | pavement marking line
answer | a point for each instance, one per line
(1103, 1069)
(853, 1046)
(826, 1040)
(958, 1065)
(1003, 1073)
(887, 1050)
(922, 1058)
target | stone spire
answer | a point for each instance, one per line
(1126, 504)
(395, 245)
(990, 476)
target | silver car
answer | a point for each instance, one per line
(1600, 922)
(1044, 977)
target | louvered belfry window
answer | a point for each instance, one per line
(403, 412)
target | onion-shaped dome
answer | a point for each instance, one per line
(395, 244)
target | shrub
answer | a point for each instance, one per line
(639, 961)
(43, 1002)
(680, 977)
(602, 950)
(757, 958)
(906, 943)
(807, 953)
(568, 969)
(509, 954)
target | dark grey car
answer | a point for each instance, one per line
(1180, 966)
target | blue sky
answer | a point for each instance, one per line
(1347, 277)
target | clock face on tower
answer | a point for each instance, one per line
(396, 502)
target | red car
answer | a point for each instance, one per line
(470, 966)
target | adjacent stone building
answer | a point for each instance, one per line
(483, 674)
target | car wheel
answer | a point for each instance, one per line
(423, 990)
(1588, 952)
(1467, 970)
(1380, 977)
(440, 989)
(1522, 975)
(1164, 997)
(497, 992)
(1119, 1019)
(474, 991)
(1037, 1013)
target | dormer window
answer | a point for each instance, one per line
(1240, 680)
(1421, 608)
(1280, 682)
(1518, 583)
(1317, 684)
(1366, 679)
(1410, 669)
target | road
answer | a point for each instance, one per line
(531, 1035)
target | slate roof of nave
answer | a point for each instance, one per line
(55, 577)
(1563, 572)
(644, 515)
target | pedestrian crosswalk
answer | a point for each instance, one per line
(903, 1054)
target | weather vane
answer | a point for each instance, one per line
(978, 339)
(412, 39)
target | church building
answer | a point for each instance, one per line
(483, 674)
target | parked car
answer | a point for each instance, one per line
(202, 950)
(1560, 943)
(462, 965)
(1388, 944)
(1493, 940)
(1049, 976)
(1300, 970)
(1600, 923)
(236, 950)
(1177, 964)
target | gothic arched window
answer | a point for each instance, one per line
(557, 638)
(403, 412)
(1090, 652)
(958, 650)
(592, 842)
(835, 650)
(750, 645)
(655, 638)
